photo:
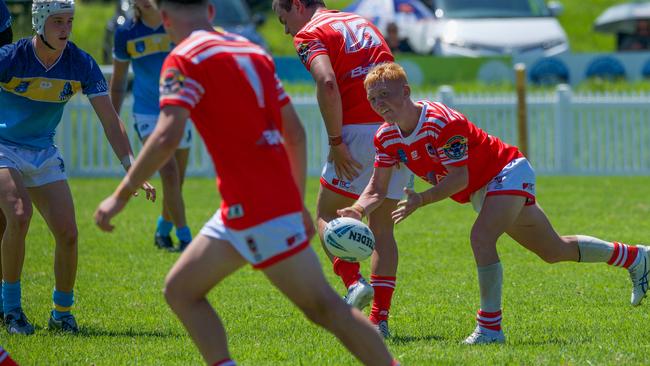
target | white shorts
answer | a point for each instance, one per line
(37, 167)
(265, 244)
(360, 142)
(145, 123)
(515, 179)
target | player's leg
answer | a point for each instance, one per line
(54, 202)
(384, 264)
(182, 156)
(497, 214)
(534, 231)
(16, 207)
(173, 200)
(359, 291)
(3, 226)
(301, 279)
(203, 265)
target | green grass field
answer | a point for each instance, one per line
(565, 314)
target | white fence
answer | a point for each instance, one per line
(576, 134)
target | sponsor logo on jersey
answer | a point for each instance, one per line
(45, 85)
(235, 211)
(270, 137)
(361, 71)
(22, 87)
(456, 147)
(252, 246)
(402, 156)
(67, 92)
(415, 155)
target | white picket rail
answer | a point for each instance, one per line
(570, 134)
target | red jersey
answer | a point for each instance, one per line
(354, 45)
(444, 137)
(234, 96)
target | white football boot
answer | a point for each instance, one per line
(639, 276)
(485, 336)
(359, 294)
(382, 329)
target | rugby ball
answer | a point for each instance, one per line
(349, 239)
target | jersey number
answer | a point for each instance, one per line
(246, 65)
(358, 35)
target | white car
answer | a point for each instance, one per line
(476, 28)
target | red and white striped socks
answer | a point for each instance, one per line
(623, 255)
(489, 320)
(5, 359)
(384, 287)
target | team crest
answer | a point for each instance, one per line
(140, 46)
(303, 52)
(171, 81)
(456, 147)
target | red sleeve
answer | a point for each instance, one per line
(309, 45)
(178, 84)
(283, 97)
(453, 146)
(382, 158)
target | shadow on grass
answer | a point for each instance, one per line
(130, 333)
(409, 339)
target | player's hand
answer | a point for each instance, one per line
(408, 206)
(149, 190)
(349, 212)
(344, 165)
(106, 210)
(310, 230)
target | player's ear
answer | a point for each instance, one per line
(211, 11)
(407, 90)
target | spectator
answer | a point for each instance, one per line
(395, 43)
(639, 41)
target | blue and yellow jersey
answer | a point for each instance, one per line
(146, 49)
(5, 16)
(32, 97)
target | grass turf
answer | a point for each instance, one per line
(553, 314)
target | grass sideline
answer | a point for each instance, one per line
(553, 314)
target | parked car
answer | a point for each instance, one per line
(475, 28)
(232, 15)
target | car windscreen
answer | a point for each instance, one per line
(491, 8)
(230, 12)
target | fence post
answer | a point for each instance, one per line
(563, 130)
(446, 95)
(522, 114)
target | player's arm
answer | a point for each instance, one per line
(331, 107)
(119, 81)
(456, 180)
(157, 150)
(295, 141)
(116, 136)
(373, 195)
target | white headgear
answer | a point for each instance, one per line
(42, 9)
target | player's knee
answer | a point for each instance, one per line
(324, 310)
(480, 241)
(169, 171)
(20, 217)
(67, 235)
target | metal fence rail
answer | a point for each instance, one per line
(576, 134)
